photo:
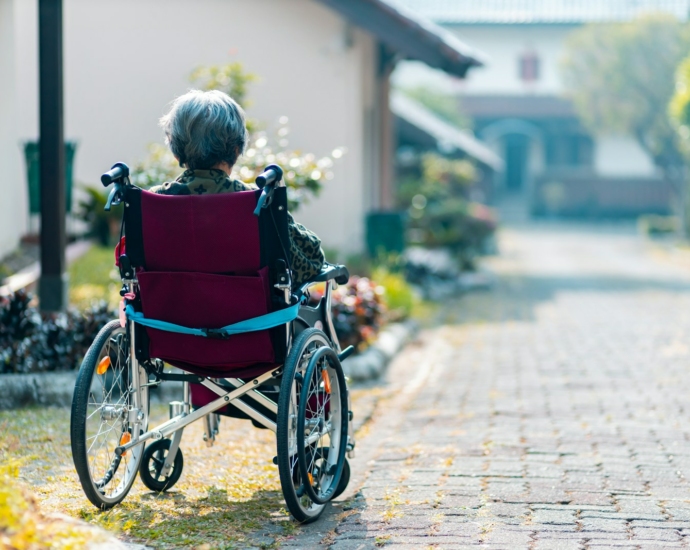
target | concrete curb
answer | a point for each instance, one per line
(372, 362)
(55, 389)
(50, 389)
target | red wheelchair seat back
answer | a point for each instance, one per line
(207, 262)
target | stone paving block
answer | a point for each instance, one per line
(550, 471)
(555, 517)
(650, 545)
(509, 510)
(667, 492)
(546, 493)
(678, 513)
(677, 525)
(451, 527)
(349, 544)
(604, 525)
(499, 536)
(561, 544)
(597, 544)
(625, 485)
(462, 502)
(587, 498)
(548, 528)
(639, 506)
(622, 516)
(659, 534)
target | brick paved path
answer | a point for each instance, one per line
(552, 412)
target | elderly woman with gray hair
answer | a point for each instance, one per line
(206, 132)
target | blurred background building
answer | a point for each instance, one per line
(517, 105)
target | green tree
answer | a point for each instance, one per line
(679, 108)
(621, 79)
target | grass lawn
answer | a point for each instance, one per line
(93, 277)
(226, 493)
(228, 496)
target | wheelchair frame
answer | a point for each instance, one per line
(227, 389)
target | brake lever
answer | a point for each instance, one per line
(264, 198)
(113, 198)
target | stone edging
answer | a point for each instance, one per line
(55, 389)
(372, 362)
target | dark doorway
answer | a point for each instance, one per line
(516, 156)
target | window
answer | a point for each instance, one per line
(529, 67)
(569, 150)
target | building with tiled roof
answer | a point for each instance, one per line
(542, 11)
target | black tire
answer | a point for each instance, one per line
(323, 404)
(105, 477)
(344, 479)
(303, 509)
(152, 463)
(344, 476)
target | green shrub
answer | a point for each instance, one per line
(103, 226)
(398, 295)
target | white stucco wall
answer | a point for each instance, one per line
(126, 59)
(503, 46)
(621, 156)
(13, 220)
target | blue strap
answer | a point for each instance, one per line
(262, 322)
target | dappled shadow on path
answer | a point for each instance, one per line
(519, 297)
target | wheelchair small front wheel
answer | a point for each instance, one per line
(151, 470)
(302, 508)
(103, 409)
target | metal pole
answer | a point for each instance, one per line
(53, 282)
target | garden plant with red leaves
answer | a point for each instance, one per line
(32, 342)
(359, 311)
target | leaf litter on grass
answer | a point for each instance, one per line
(228, 496)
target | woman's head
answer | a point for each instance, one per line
(205, 129)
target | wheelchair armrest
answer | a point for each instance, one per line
(331, 271)
(328, 272)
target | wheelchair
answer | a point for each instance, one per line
(206, 288)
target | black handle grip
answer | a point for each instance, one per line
(272, 174)
(119, 170)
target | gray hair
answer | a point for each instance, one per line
(204, 129)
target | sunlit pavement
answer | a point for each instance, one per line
(549, 412)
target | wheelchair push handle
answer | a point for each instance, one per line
(118, 171)
(266, 181)
(271, 174)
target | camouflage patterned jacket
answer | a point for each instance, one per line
(306, 256)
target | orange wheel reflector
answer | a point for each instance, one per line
(311, 478)
(126, 438)
(103, 365)
(326, 381)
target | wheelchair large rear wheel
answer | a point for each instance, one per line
(302, 508)
(102, 418)
(322, 425)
